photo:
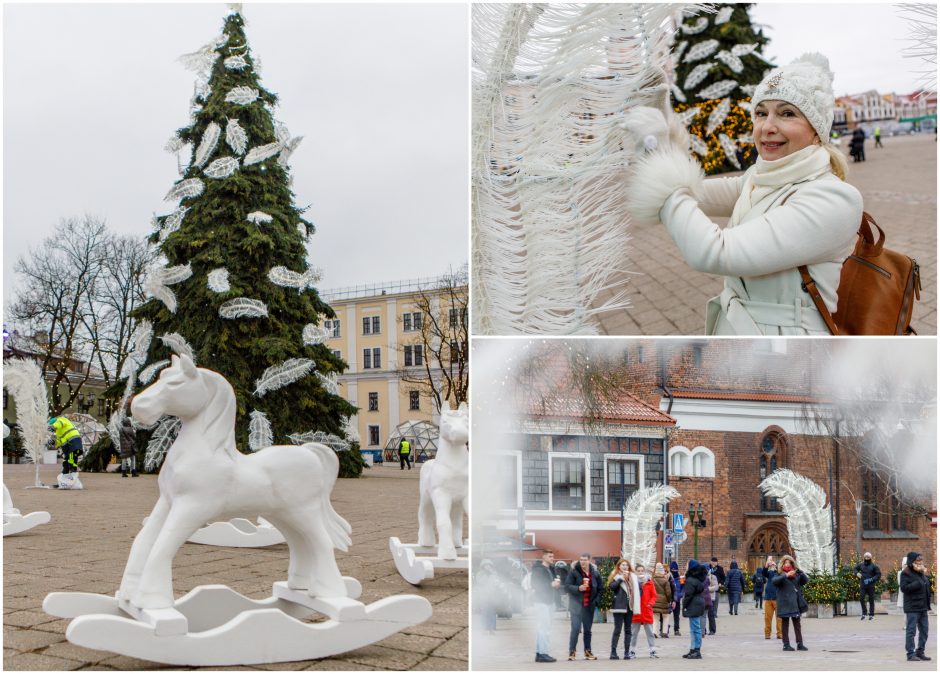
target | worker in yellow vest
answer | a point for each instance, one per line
(404, 453)
(69, 440)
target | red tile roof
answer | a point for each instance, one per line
(626, 408)
(756, 396)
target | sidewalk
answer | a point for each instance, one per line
(85, 546)
(837, 644)
(899, 187)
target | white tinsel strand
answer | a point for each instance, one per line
(191, 187)
(259, 217)
(717, 90)
(696, 27)
(700, 50)
(723, 15)
(279, 376)
(718, 116)
(730, 60)
(222, 167)
(210, 139)
(260, 434)
(697, 75)
(235, 137)
(148, 373)
(241, 95)
(178, 344)
(217, 280)
(161, 441)
(315, 334)
(698, 145)
(236, 62)
(243, 307)
(730, 149)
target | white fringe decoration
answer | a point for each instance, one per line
(723, 15)
(210, 139)
(922, 18)
(260, 434)
(808, 521)
(260, 153)
(640, 515)
(334, 441)
(286, 278)
(697, 75)
(217, 279)
(241, 95)
(315, 334)
(23, 379)
(279, 376)
(148, 373)
(701, 50)
(259, 217)
(222, 167)
(161, 441)
(717, 90)
(178, 344)
(731, 150)
(243, 307)
(730, 60)
(236, 62)
(718, 115)
(235, 137)
(191, 187)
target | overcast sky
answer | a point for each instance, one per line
(91, 94)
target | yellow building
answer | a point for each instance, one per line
(384, 333)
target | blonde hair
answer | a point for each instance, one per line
(616, 570)
(837, 161)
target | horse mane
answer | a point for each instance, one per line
(220, 411)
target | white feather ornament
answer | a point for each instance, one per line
(335, 442)
(236, 62)
(641, 513)
(288, 150)
(191, 187)
(23, 379)
(154, 287)
(172, 222)
(259, 217)
(696, 27)
(678, 93)
(723, 15)
(178, 344)
(748, 89)
(260, 153)
(217, 279)
(148, 373)
(730, 60)
(700, 50)
(698, 145)
(286, 278)
(717, 116)
(330, 382)
(243, 307)
(808, 519)
(172, 275)
(241, 95)
(745, 105)
(730, 149)
(351, 432)
(142, 341)
(315, 334)
(686, 116)
(717, 90)
(201, 60)
(743, 49)
(678, 51)
(260, 434)
(222, 167)
(279, 376)
(210, 139)
(161, 441)
(174, 145)
(114, 427)
(235, 137)
(697, 74)
(201, 89)
(744, 140)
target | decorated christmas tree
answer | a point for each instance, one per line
(234, 290)
(717, 64)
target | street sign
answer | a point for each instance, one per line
(667, 539)
(680, 537)
(678, 523)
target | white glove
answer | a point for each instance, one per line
(647, 127)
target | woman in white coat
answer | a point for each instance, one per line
(792, 208)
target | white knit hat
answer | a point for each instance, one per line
(807, 84)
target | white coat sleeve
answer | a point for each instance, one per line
(718, 195)
(817, 224)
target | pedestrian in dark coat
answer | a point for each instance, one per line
(677, 581)
(693, 605)
(665, 598)
(858, 145)
(758, 580)
(789, 582)
(711, 601)
(626, 592)
(128, 452)
(916, 588)
(734, 583)
(584, 586)
(868, 575)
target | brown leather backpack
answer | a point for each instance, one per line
(876, 291)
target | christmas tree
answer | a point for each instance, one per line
(717, 63)
(235, 291)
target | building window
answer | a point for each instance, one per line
(459, 314)
(373, 436)
(373, 402)
(101, 407)
(569, 483)
(332, 327)
(414, 400)
(454, 350)
(337, 353)
(371, 325)
(411, 321)
(700, 462)
(623, 478)
(697, 356)
(882, 511)
(772, 453)
(376, 358)
(640, 356)
(414, 355)
(367, 359)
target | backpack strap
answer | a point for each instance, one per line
(809, 285)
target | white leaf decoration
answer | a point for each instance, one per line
(161, 441)
(236, 137)
(333, 441)
(170, 275)
(808, 519)
(698, 145)
(243, 307)
(23, 378)
(142, 340)
(686, 116)
(172, 222)
(329, 382)
(641, 513)
(148, 373)
(236, 62)
(678, 93)
(700, 50)
(730, 60)
(678, 51)
(731, 150)
(723, 15)
(259, 217)
(201, 89)
(748, 89)
(286, 278)
(260, 153)
(222, 167)
(288, 150)
(178, 344)
(696, 27)
(717, 116)
(217, 280)
(278, 376)
(717, 90)
(191, 187)
(155, 288)
(208, 144)
(743, 49)
(241, 95)
(114, 427)
(201, 60)
(260, 434)
(352, 433)
(174, 145)
(697, 74)
(315, 334)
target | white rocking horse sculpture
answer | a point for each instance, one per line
(15, 522)
(443, 486)
(204, 478)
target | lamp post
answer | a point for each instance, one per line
(697, 521)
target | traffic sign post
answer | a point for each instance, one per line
(678, 522)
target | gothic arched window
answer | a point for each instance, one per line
(773, 450)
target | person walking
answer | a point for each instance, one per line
(625, 591)
(713, 588)
(404, 453)
(128, 453)
(718, 570)
(665, 598)
(790, 600)
(858, 144)
(544, 587)
(734, 584)
(770, 599)
(583, 586)
(878, 137)
(916, 588)
(644, 616)
(693, 606)
(677, 584)
(868, 575)
(69, 440)
(758, 580)
(797, 187)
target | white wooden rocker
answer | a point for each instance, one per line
(237, 532)
(15, 522)
(205, 479)
(443, 485)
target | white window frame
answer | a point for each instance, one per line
(587, 478)
(376, 357)
(371, 318)
(333, 325)
(518, 455)
(640, 475)
(415, 324)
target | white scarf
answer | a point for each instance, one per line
(769, 176)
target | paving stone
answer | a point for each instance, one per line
(40, 662)
(25, 640)
(441, 665)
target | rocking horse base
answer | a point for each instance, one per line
(416, 563)
(237, 533)
(15, 523)
(215, 626)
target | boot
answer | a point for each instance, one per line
(134, 473)
(801, 647)
(920, 655)
(613, 654)
(588, 655)
(124, 474)
(696, 654)
(788, 647)
(572, 655)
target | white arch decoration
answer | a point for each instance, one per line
(698, 462)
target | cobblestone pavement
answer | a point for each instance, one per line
(85, 546)
(838, 644)
(899, 186)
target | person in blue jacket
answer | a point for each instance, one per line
(734, 584)
(758, 580)
(770, 598)
(677, 595)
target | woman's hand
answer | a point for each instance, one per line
(647, 127)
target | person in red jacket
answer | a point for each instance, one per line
(644, 613)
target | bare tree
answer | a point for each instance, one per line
(444, 340)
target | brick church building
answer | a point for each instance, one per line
(711, 418)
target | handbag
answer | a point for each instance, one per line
(801, 604)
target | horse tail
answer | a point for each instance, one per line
(337, 527)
